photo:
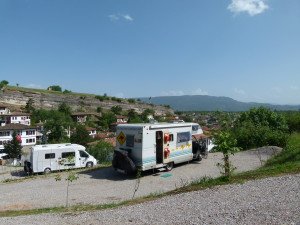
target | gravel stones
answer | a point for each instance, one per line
(267, 201)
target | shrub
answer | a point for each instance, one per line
(102, 151)
(259, 127)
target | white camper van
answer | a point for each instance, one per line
(150, 146)
(51, 157)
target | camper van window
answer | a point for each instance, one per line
(183, 137)
(171, 137)
(67, 154)
(83, 154)
(50, 156)
(195, 127)
(138, 138)
(130, 140)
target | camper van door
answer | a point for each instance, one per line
(82, 158)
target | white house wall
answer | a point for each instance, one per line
(28, 138)
(25, 120)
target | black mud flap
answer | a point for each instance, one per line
(27, 167)
(122, 162)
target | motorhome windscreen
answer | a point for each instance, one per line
(83, 154)
(130, 141)
(183, 137)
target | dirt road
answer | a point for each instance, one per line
(106, 185)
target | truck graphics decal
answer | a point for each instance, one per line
(121, 138)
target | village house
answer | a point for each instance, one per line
(17, 118)
(25, 134)
(82, 117)
(4, 110)
(122, 119)
(92, 131)
(119, 120)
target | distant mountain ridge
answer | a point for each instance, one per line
(212, 103)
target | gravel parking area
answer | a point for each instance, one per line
(266, 201)
(106, 185)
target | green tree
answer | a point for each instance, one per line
(293, 121)
(67, 91)
(64, 108)
(131, 100)
(80, 136)
(3, 83)
(101, 151)
(259, 127)
(116, 109)
(57, 125)
(226, 144)
(71, 176)
(55, 88)
(107, 119)
(13, 148)
(133, 117)
(99, 109)
(29, 105)
(146, 113)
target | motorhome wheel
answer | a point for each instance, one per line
(47, 171)
(169, 166)
(89, 164)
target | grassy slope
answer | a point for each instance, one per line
(35, 90)
(287, 162)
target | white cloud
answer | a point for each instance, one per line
(199, 91)
(239, 91)
(127, 17)
(113, 17)
(252, 7)
(34, 86)
(120, 95)
(294, 88)
(116, 17)
(277, 90)
(172, 93)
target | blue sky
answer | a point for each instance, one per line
(245, 49)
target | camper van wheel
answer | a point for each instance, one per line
(89, 164)
(47, 171)
(169, 166)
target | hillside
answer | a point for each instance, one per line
(211, 103)
(17, 97)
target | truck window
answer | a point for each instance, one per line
(83, 154)
(183, 137)
(50, 156)
(130, 140)
(68, 155)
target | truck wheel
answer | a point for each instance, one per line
(205, 154)
(198, 156)
(169, 166)
(47, 171)
(89, 164)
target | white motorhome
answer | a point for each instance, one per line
(151, 146)
(52, 157)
